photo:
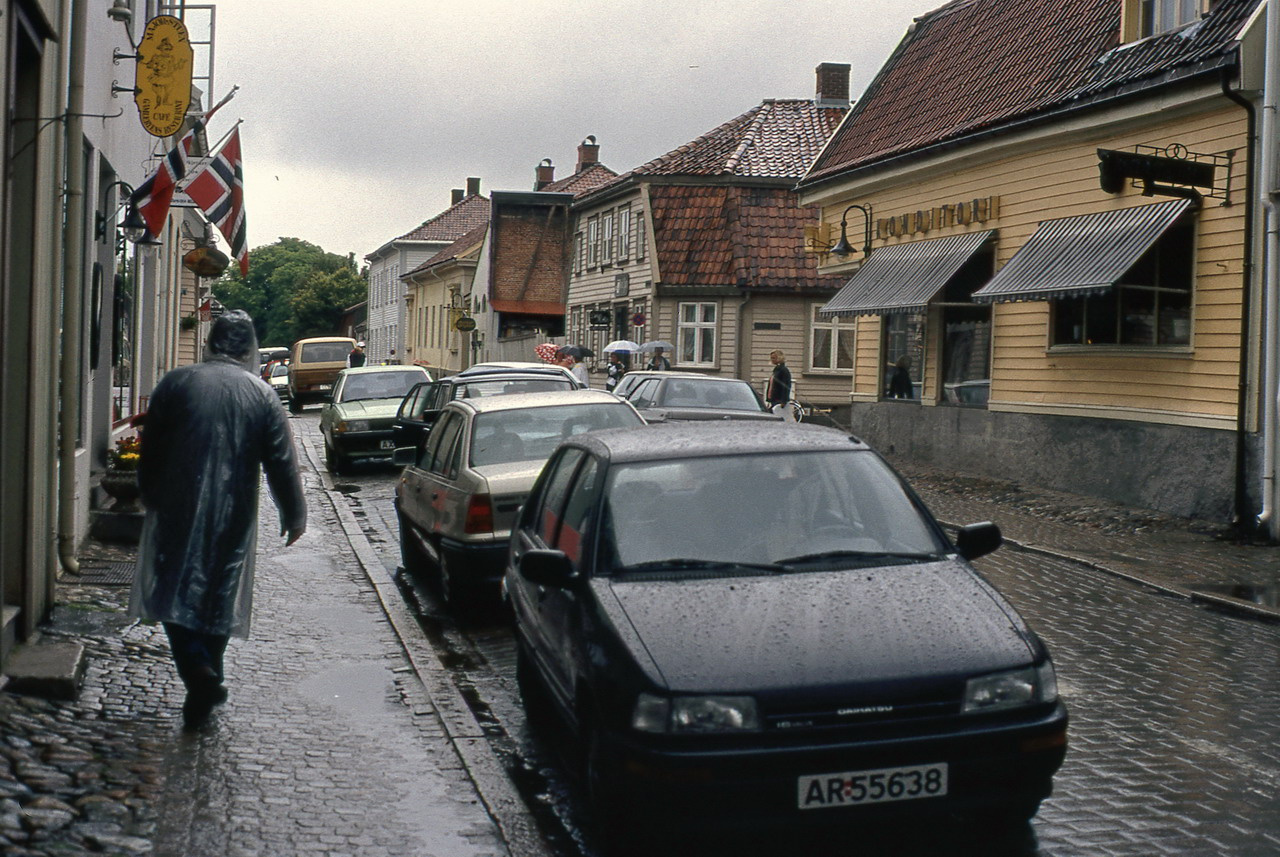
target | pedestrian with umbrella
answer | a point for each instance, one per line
(658, 348)
(619, 352)
(575, 353)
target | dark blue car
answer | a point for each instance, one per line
(757, 624)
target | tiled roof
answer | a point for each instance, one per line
(454, 222)
(741, 237)
(776, 139)
(456, 249)
(977, 64)
(594, 176)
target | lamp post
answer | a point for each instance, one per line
(842, 247)
(132, 229)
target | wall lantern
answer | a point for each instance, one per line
(842, 247)
(132, 229)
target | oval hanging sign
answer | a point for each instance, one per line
(465, 323)
(163, 81)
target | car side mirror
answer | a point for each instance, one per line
(977, 540)
(404, 456)
(548, 568)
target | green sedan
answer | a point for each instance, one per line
(356, 420)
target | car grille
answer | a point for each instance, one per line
(859, 715)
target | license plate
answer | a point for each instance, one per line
(386, 444)
(323, 387)
(856, 788)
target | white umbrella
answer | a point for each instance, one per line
(655, 344)
(621, 345)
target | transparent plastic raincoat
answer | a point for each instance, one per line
(208, 433)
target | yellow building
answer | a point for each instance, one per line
(1059, 287)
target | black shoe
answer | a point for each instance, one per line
(199, 705)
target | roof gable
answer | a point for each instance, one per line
(452, 223)
(977, 64)
(593, 176)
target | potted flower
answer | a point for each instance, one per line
(121, 478)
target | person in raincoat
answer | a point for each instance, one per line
(209, 432)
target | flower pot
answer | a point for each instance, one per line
(122, 486)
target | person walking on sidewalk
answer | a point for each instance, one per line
(778, 394)
(210, 430)
(357, 357)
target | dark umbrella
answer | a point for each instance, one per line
(575, 351)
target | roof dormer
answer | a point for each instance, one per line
(1142, 18)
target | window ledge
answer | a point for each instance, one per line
(831, 373)
(1130, 350)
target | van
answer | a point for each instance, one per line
(314, 366)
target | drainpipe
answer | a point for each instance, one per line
(1271, 277)
(1241, 516)
(742, 311)
(72, 287)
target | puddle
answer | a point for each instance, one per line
(1268, 595)
(345, 487)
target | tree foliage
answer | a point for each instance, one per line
(294, 290)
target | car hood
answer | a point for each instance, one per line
(657, 415)
(931, 623)
(367, 409)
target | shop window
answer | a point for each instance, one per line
(831, 343)
(903, 350)
(696, 334)
(1149, 307)
(966, 334)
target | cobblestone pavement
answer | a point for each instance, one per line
(329, 744)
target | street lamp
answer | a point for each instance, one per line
(133, 228)
(842, 247)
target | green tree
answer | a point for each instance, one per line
(284, 294)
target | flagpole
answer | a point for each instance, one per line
(197, 165)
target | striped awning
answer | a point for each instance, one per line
(1082, 255)
(905, 277)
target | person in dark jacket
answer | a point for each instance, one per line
(209, 432)
(778, 393)
(357, 357)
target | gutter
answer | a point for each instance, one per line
(72, 288)
(1271, 275)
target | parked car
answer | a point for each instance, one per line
(422, 404)
(516, 365)
(278, 378)
(632, 379)
(356, 421)
(272, 353)
(459, 492)
(754, 624)
(314, 365)
(663, 396)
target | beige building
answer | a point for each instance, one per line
(1060, 283)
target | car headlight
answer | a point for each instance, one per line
(683, 714)
(998, 691)
(352, 425)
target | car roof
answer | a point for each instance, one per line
(506, 375)
(672, 373)
(367, 370)
(517, 401)
(715, 437)
(500, 366)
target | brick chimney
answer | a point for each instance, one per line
(473, 186)
(545, 174)
(455, 196)
(833, 85)
(588, 153)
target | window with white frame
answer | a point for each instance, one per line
(578, 252)
(641, 243)
(593, 242)
(606, 237)
(1163, 16)
(831, 342)
(624, 233)
(696, 334)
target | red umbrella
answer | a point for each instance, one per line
(546, 351)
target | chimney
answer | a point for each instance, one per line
(833, 85)
(588, 153)
(455, 196)
(473, 186)
(545, 174)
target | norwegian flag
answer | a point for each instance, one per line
(219, 191)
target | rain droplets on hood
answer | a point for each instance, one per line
(233, 336)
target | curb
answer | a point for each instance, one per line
(516, 825)
(1236, 606)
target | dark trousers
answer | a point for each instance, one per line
(197, 656)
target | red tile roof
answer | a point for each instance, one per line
(974, 65)
(452, 223)
(725, 235)
(776, 139)
(593, 176)
(456, 249)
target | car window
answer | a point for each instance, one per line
(500, 387)
(763, 508)
(575, 530)
(279, 371)
(324, 352)
(532, 434)
(438, 438)
(378, 385)
(554, 494)
(644, 393)
(410, 403)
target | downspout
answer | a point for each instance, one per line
(1241, 514)
(72, 286)
(738, 364)
(1271, 276)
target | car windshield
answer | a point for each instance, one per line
(532, 434)
(279, 371)
(325, 352)
(788, 511)
(688, 393)
(501, 387)
(379, 385)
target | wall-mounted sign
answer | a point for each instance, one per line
(599, 319)
(465, 323)
(939, 217)
(621, 285)
(638, 320)
(163, 82)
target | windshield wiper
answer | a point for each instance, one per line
(701, 565)
(861, 556)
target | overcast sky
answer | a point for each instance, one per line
(359, 117)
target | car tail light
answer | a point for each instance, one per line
(479, 514)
